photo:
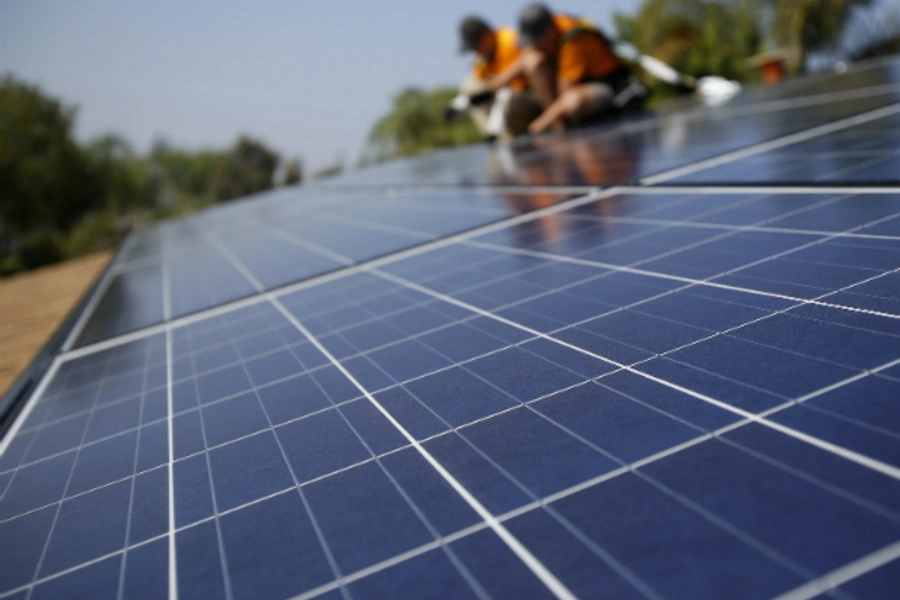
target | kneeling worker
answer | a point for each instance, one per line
(571, 68)
(497, 110)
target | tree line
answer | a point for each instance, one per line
(61, 199)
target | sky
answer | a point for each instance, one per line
(308, 78)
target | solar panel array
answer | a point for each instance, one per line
(625, 365)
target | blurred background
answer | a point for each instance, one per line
(115, 114)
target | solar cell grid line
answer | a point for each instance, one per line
(80, 475)
(630, 576)
(546, 577)
(288, 289)
(691, 343)
(850, 455)
(306, 483)
(710, 283)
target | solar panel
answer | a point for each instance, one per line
(398, 384)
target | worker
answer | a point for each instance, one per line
(504, 111)
(571, 69)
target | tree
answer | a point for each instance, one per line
(697, 37)
(249, 168)
(46, 183)
(122, 175)
(293, 173)
(811, 25)
(416, 124)
(45, 179)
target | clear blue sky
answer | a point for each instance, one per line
(309, 78)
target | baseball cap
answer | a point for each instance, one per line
(533, 22)
(470, 30)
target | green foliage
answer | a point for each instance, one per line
(696, 37)
(61, 200)
(94, 232)
(45, 179)
(248, 168)
(416, 124)
(810, 25)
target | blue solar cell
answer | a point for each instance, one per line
(247, 470)
(20, 560)
(193, 494)
(427, 575)
(200, 572)
(153, 449)
(219, 384)
(376, 431)
(439, 503)
(580, 568)
(149, 512)
(103, 462)
(368, 374)
(58, 437)
(88, 527)
(867, 440)
(36, 485)
(292, 398)
(602, 346)
(765, 502)
(99, 580)
(273, 550)
(827, 341)
(535, 452)
(187, 434)
(744, 396)
(619, 426)
(663, 543)
(686, 307)
(271, 367)
(523, 375)
(417, 419)
(458, 397)
(878, 409)
(866, 487)
(320, 444)
(364, 518)
(407, 360)
(662, 397)
(786, 373)
(477, 474)
(499, 572)
(231, 419)
(147, 571)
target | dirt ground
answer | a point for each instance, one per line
(34, 304)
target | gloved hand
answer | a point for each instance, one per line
(481, 98)
(458, 106)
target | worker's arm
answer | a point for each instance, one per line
(510, 74)
(551, 118)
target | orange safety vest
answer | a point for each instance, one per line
(506, 52)
(583, 54)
